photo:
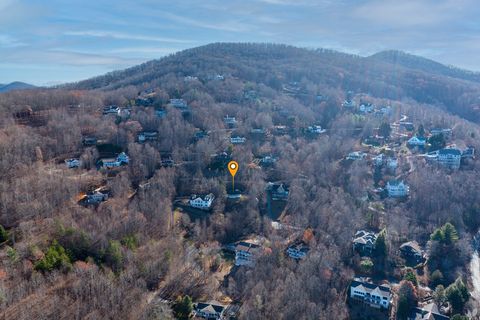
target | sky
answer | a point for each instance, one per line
(48, 42)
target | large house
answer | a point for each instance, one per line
(237, 140)
(178, 103)
(201, 202)
(411, 250)
(230, 121)
(298, 251)
(446, 132)
(120, 160)
(364, 242)
(112, 109)
(147, 136)
(417, 141)
(315, 129)
(356, 155)
(397, 189)
(427, 312)
(72, 163)
(246, 253)
(349, 104)
(278, 191)
(208, 311)
(375, 296)
(449, 157)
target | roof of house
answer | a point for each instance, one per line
(411, 245)
(428, 312)
(209, 307)
(206, 197)
(395, 182)
(379, 290)
(364, 237)
(245, 246)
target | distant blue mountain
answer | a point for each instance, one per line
(15, 86)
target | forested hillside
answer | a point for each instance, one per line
(116, 201)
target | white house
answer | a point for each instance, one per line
(208, 311)
(113, 109)
(366, 107)
(97, 197)
(364, 242)
(120, 160)
(416, 141)
(449, 157)
(349, 104)
(204, 203)
(246, 253)
(231, 121)
(315, 129)
(238, 140)
(397, 189)
(72, 163)
(356, 155)
(178, 103)
(375, 296)
(147, 136)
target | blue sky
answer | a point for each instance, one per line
(53, 41)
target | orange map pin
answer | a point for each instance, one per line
(233, 168)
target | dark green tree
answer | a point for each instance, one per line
(55, 258)
(114, 256)
(457, 294)
(407, 299)
(410, 276)
(437, 142)
(183, 308)
(3, 234)
(381, 249)
(385, 130)
(421, 131)
(459, 317)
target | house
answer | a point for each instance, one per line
(268, 160)
(230, 121)
(397, 189)
(446, 132)
(411, 250)
(315, 129)
(449, 157)
(356, 155)
(112, 109)
(364, 242)
(96, 197)
(468, 152)
(349, 104)
(378, 160)
(201, 202)
(160, 113)
(278, 191)
(426, 312)
(208, 311)
(375, 296)
(120, 160)
(406, 126)
(147, 136)
(246, 253)
(190, 78)
(178, 103)
(238, 140)
(298, 250)
(366, 107)
(416, 141)
(392, 164)
(72, 163)
(89, 141)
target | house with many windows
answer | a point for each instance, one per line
(375, 296)
(364, 242)
(72, 163)
(449, 157)
(416, 141)
(246, 253)
(147, 136)
(120, 160)
(201, 202)
(397, 189)
(238, 140)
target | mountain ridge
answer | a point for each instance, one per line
(16, 85)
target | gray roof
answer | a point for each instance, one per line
(380, 290)
(428, 312)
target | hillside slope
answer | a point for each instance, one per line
(275, 65)
(15, 86)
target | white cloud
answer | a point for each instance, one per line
(123, 36)
(231, 26)
(7, 41)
